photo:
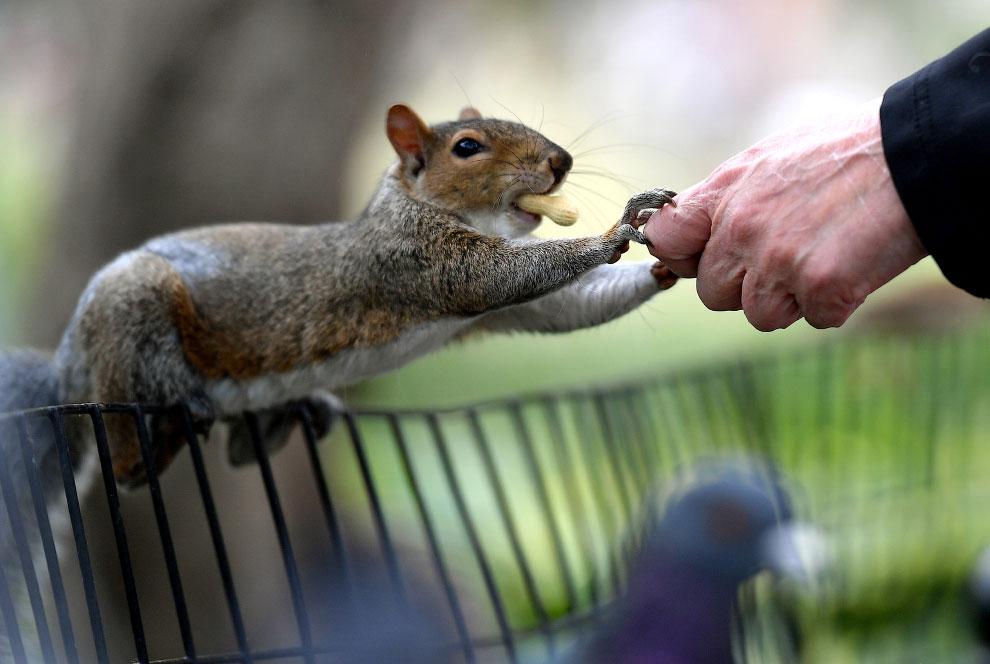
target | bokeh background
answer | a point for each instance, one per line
(123, 120)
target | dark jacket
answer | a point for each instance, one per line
(936, 138)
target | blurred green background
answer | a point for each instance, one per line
(122, 120)
(645, 93)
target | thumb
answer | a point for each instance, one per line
(679, 234)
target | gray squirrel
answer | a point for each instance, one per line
(243, 316)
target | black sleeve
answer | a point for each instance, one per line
(936, 138)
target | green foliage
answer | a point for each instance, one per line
(23, 212)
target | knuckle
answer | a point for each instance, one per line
(709, 296)
(778, 258)
(830, 295)
(761, 321)
(819, 277)
(830, 317)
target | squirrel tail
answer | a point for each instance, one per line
(27, 380)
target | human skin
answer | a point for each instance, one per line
(805, 223)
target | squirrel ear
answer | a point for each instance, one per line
(469, 113)
(408, 135)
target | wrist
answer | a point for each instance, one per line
(885, 200)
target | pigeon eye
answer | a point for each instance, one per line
(466, 147)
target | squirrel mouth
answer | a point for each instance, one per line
(527, 217)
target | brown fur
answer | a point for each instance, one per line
(246, 301)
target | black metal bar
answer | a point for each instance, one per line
(642, 433)
(294, 653)
(489, 579)
(295, 587)
(9, 615)
(569, 622)
(668, 441)
(340, 556)
(756, 422)
(448, 587)
(627, 445)
(640, 455)
(510, 527)
(932, 416)
(216, 535)
(711, 416)
(47, 540)
(563, 456)
(601, 502)
(655, 442)
(117, 521)
(612, 444)
(526, 442)
(609, 442)
(79, 535)
(618, 419)
(376, 509)
(165, 534)
(17, 530)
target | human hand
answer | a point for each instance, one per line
(806, 223)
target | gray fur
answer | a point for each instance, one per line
(251, 315)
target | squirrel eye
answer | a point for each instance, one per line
(466, 147)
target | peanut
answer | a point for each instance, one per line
(560, 209)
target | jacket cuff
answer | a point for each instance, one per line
(934, 126)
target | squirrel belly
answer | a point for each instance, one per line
(231, 396)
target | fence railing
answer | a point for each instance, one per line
(509, 524)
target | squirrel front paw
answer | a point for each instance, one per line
(633, 217)
(652, 199)
(619, 236)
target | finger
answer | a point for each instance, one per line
(679, 234)
(768, 306)
(720, 280)
(641, 218)
(827, 307)
(830, 289)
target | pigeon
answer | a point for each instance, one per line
(978, 605)
(731, 520)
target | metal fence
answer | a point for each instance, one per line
(509, 524)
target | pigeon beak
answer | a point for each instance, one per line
(797, 551)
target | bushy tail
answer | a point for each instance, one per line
(27, 380)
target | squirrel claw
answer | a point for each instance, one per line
(652, 199)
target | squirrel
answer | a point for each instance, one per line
(247, 316)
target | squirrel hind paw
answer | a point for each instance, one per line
(168, 435)
(276, 426)
(663, 276)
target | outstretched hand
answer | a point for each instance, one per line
(806, 223)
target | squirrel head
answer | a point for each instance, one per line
(476, 167)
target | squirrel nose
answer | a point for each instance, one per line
(560, 163)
